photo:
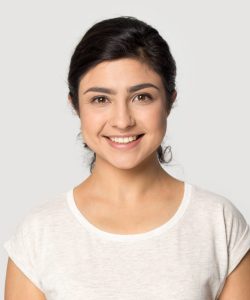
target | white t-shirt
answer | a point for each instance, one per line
(186, 258)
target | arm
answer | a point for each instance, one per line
(237, 285)
(18, 286)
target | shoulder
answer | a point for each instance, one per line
(217, 214)
(221, 217)
(214, 203)
(27, 246)
(51, 206)
(43, 217)
(37, 228)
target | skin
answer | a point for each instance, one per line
(151, 189)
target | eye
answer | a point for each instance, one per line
(98, 99)
(144, 97)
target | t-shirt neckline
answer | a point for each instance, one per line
(136, 236)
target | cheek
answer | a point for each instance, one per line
(91, 123)
(155, 119)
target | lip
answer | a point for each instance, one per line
(121, 146)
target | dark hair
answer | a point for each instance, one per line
(122, 37)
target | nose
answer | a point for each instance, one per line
(121, 116)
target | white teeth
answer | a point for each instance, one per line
(123, 140)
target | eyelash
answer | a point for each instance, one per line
(98, 97)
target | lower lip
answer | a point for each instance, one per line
(124, 146)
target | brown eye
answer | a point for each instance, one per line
(144, 97)
(99, 99)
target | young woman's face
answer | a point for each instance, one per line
(122, 97)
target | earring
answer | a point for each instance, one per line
(80, 136)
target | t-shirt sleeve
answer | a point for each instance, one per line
(21, 249)
(238, 235)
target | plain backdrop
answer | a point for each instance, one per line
(208, 129)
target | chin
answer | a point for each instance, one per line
(126, 160)
(129, 164)
(125, 165)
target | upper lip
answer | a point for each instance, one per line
(126, 135)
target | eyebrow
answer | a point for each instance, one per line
(131, 89)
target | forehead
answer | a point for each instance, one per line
(125, 71)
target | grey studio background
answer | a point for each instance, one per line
(208, 129)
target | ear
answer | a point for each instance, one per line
(72, 106)
(174, 95)
(69, 99)
(172, 99)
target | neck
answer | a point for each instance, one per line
(128, 186)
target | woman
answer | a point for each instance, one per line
(130, 230)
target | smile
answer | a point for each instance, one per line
(124, 140)
(124, 143)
